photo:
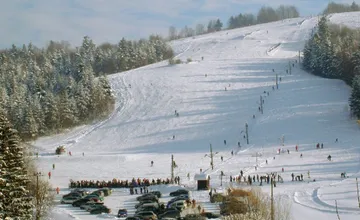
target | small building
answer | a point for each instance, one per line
(203, 181)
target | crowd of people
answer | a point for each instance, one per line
(117, 183)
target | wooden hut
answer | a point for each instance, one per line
(203, 181)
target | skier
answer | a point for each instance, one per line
(292, 176)
(232, 153)
(336, 140)
(301, 155)
(253, 116)
(224, 142)
(152, 163)
(173, 137)
(222, 159)
(225, 89)
(188, 176)
(322, 145)
(266, 162)
(69, 153)
(53, 166)
(296, 148)
(329, 157)
(57, 190)
(49, 174)
(239, 144)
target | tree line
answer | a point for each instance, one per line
(265, 14)
(333, 7)
(46, 90)
(333, 51)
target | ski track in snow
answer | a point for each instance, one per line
(142, 125)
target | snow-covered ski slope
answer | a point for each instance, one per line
(305, 110)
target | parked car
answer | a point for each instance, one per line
(68, 200)
(132, 218)
(82, 201)
(97, 192)
(82, 192)
(94, 196)
(122, 213)
(157, 193)
(148, 197)
(210, 215)
(147, 208)
(89, 208)
(180, 205)
(143, 202)
(106, 191)
(73, 194)
(180, 192)
(170, 214)
(146, 215)
(90, 204)
(100, 209)
(181, 197)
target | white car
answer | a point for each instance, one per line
(180, 205)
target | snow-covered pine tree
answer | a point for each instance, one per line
(16, 201)
(354, 99)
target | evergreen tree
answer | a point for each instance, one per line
(354, 99)
(16, 202)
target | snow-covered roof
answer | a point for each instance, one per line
(201, 176)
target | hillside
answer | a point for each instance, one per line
(305, 110)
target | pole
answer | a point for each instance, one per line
(247, 133)
(256, 159)
(357, 190)
(277, 84)
(221, 175)
(172, 168)
(289, 68)
(299, 57)
(261, 105)
(272, 200)
(37, 196)
(211, 157)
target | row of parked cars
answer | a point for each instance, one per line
(150, 208)
(92, 202)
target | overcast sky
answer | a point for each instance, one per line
(38, 21)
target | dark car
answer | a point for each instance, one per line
(148, 197)
(100, 209)
(154, 207)
(157, 193)
(80, 202)
(179, 192)
(122, 213)
(72, 194)
(146, 215)
(210, 215)
(133, 218)
(106, 191)
(170, 214)
(83, 192)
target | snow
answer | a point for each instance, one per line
(305, 110)
(350, 19)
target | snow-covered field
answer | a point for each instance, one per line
(305, 110)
